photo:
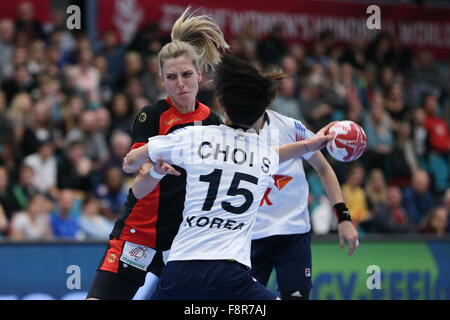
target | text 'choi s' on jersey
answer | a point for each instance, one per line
(154, 220)
(284, 208)
(228, 171)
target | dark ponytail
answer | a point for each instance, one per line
(242, 91)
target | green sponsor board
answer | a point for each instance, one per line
(408, 270)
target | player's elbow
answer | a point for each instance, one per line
(127, 169)
(129, 166)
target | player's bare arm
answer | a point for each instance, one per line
(149, 176)
(346, 230)
(299, 148)
(135, 159)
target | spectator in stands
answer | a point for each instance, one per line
(3, 222)
(355, 52)
(335, 91)
(153, 88)
(417, 198)
(21, 81)
(285, 102)
(81, 43)
(106, 82)
(83, 77)
(72, 113)
(437, 129)
(39, 127)
(380, 139)
(6, 196)
(446, 204)
(133, 67)
(6, 129)
(436, 221)
(26, 23)
(19, 57)
(425, 77)
(56, 60)
(37, 60)
(354, 194)
(120, 145)
(34, 223)
(74, 168)
(44, 165)
(438, 134)
(112, 194)
(272, 48)
(57, 32)
(318, 55)
(113, 52)
(315, 111)
(24, 189)
(63, 224)
(290, 66)
(148, 40)
(7, 32)
(92, 224)
(50, 92)
(368, 85)
(380, 50)
(95, 146)
(403, 158)
(389, 217)
(446, 200)
(104, 122)
(121, 113)
(376, 189)
(395, 105)
(134, 88)
(420, 136)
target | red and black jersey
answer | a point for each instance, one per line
(153, 221)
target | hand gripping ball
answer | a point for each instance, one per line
(349, 141)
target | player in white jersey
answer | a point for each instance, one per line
(282, 232)
(228, 170)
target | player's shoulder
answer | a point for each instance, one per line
(276, 118)
(193, 129)
(155, 109)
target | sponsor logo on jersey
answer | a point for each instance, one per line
(300, 131)
(170, 122)
(138, 252)
(280, 182)
(137, 256)
(308, 272)
(142, 117)
(112, 257)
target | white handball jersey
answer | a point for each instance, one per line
(228, 172)
(284, 208)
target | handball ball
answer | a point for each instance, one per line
(349, 141)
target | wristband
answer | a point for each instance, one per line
(155, 174)
(341, 212)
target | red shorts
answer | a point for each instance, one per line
(123, 270)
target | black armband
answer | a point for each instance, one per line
(341, 212)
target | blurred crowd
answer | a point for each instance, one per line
(67, 107)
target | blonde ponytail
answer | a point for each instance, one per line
(199, 37)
